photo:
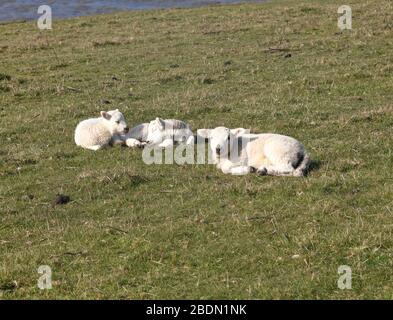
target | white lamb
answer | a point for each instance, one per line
(267, 154)
(165, 132)
(95, 133)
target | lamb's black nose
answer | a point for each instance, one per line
(126, 129)
(218, 150)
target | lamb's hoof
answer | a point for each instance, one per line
(253, 170)
(142, 145)
(262, 172)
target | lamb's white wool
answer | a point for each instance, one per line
(137, 136)
(270, 154)
(165, 132)
(96, 133)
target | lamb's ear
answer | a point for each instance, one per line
(204, 133)
(161, 123)
(106, 115)
(238, 131)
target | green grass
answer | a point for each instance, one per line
(134, 231)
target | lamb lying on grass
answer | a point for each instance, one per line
(267, 154)
(165, 132)
(95, 133)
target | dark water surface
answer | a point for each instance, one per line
(27, 9)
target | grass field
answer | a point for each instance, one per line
(133, 231)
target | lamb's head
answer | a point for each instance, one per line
(221, 140)
(155, 131)
(114, 120)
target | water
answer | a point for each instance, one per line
(27, 9)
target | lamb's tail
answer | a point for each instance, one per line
(303, 166)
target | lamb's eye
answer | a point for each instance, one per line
(118, 122)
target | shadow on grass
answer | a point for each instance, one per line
(315, 165)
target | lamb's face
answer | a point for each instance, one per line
(115, 121)
(155, 131)
(221, 140)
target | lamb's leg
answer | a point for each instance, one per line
(132, 143)
(240, 170)
(229, 167)
(166, 143)
(285, 170)
(116, 139)
(94, 148)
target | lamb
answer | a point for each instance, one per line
(267, 154)
(165, 132)
(96, 133)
